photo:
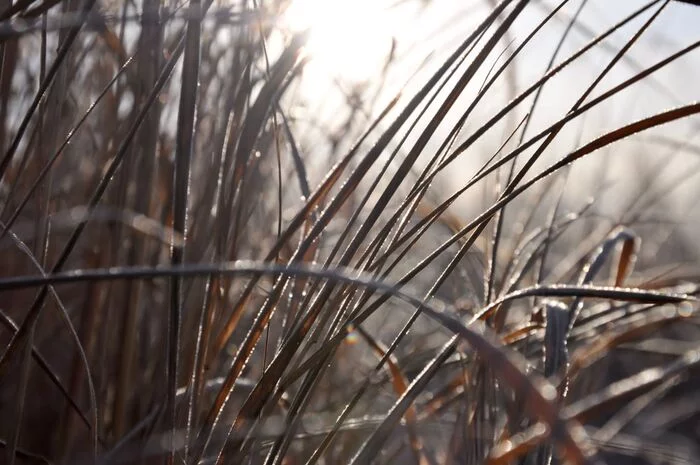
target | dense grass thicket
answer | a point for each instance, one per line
(480, 249)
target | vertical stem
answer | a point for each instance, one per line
(183, 154)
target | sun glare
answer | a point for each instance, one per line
(348, 40)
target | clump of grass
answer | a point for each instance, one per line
(197, 271)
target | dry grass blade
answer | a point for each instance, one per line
(388, 231)
(518, 445)
(495, 242)
(400, 384)
(601, 292)
(659, 119)
(449, 394)
(628, 255)
(515, 179)
(632, 410)
(593, 267)
(50, 75)
(317, 198)
(337, 201)
(631, 387)
(23, 454)
(371, 447)
(43, 364)
(46, 169)
(81, 359)
(181, 182)
(556, 353)
(483, 128)
(35, 310)
(416, 149)
(520, 333)
(509, 367)
(586, 355)
(556, 359)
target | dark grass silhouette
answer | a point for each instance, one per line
(184, 281)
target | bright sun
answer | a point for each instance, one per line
(349, 39)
